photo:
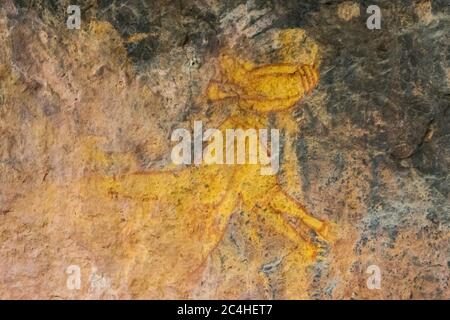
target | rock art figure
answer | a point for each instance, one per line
(166, 223)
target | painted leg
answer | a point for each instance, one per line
(283, 202)
(277, 222)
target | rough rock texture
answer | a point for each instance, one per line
(86, 118)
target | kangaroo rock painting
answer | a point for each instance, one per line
(197, 201)
(224, 150)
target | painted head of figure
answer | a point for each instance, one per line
(265, 88)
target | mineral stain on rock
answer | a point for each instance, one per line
(86, 117)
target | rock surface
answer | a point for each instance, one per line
(81, 111)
